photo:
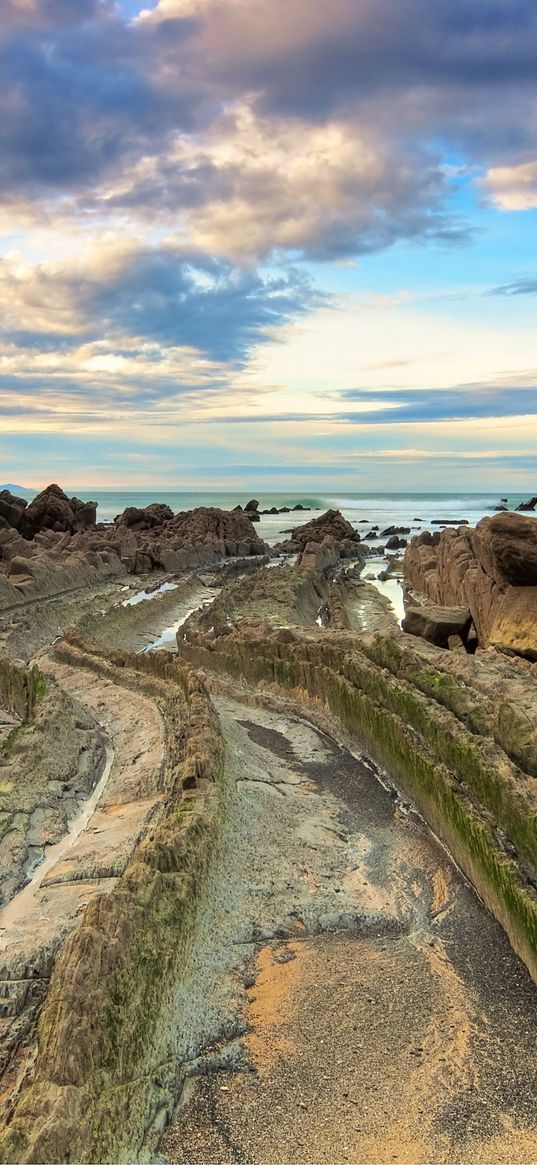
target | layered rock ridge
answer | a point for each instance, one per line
(490, 570)
(434, 730)
(97, 1077)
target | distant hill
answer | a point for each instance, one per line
(25, 489)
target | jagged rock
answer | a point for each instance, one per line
(437, 624)
(251, 506)
(391, 530)
(11, 509)
(160, 512)
(528, 505)
(484, 569)
(229, 528)
(57, 556)
(318, 556)
(148, 518)
(53, 510)
(395, 543)
(332, 524)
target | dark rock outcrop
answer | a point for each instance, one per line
(331, 525)
(11, 509)
(53, 510)
(530, 505)
(144, 519)
(450, 522)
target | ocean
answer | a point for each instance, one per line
(416, 510)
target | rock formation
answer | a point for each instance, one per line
(332, 525)
(11, 510)
(438, 624)
(491, 569)
(101, 965)
(53, 510)
(53, 544)
(136, 519)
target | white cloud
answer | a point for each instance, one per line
(513, 187)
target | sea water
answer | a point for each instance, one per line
(363, 510)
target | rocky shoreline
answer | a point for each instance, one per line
(95, 1010)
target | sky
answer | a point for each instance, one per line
(269, 243)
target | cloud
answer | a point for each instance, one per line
(324, 191)
(412, 407)
(464, 402)
(527, 286)
(248, 127)
(513, 187)
(163, 295)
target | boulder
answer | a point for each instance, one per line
(438, 624)
(530, 505)
(396, 543)
(391, 530)
(160, 512)
(252, 506)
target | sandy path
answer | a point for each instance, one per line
(352, 998)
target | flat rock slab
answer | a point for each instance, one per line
(104, 848)
(35, 922)
(436, 624)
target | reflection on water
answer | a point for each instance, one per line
(390, 587)
(141, 596)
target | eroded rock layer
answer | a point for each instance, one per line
(491, 570)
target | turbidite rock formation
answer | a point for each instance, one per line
(156, 539)
(491, 569)
(54, 545)
(103, 964)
